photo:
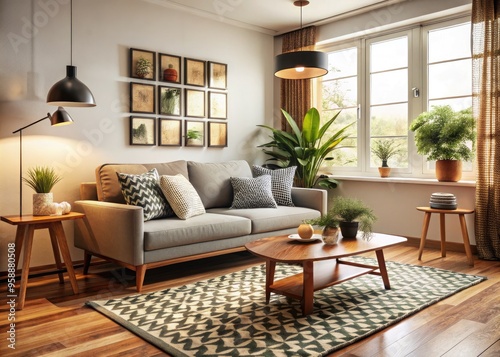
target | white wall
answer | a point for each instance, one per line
(103, 32)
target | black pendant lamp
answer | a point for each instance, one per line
(301, 64)
(70, 91)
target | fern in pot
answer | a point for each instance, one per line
(353, 215)
(42, 179)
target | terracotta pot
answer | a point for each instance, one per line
(448, 170)
(305, 231)
(349, 229)
(384, 171)
(330, 235)
(170, 74)
(42, 204)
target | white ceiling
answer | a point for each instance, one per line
(273, 16)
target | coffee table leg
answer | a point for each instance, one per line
(382, 268)
(270, 269)
(308, 283)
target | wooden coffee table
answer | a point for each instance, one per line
(321, 264)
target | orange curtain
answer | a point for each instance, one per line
(486, 106)
(296, 93)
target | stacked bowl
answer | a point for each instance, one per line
(443, 200)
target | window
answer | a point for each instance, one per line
(382, 83)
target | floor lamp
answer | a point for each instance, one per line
(60, 117)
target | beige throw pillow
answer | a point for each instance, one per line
(181, 196)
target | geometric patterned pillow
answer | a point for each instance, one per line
(252, 192)
(281, 183)
(182, 196)
(143, 191)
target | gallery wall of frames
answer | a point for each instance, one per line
(176, 101)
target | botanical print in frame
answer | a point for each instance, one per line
(194, 133)
(217, 105)
(169, 68)
(195, 103)
(169, 99)
(142, 131)
(194, 72)
(217, 134)
(170, 133)
(217, 75)
(142, 64)
(142, 98)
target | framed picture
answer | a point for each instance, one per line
(169, 99)
(170, 133)
(142, 64)
(194, 72)
(194, 133)
(169, 68)
(217, 105)
(142, 98)
(142, 131)
(217, 134)
(195, 103)
(217, 75)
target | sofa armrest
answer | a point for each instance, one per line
(113, 230)
(314, 198)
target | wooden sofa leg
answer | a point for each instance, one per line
(140, 273)
(86, 262)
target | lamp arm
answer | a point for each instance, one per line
(27, 126)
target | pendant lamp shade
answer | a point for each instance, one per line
(70, 92)
(301, 65)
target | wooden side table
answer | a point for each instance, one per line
(26, 226)
(442, 212)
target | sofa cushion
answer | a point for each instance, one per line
(182, 196)
(108, 187)
(281, 183)
(173, 232)
(212, 180)
(143, 191)
(252, 192)
(271, 219)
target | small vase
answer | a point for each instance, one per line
(330, 235)
(305, 231)
(42, 204)
(170, 74)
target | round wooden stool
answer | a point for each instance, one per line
(442, 212)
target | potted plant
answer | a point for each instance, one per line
(446, 136)
(42, 179)
(194, 136)
(306, 148)
(353, 215)
(384, 149)
(143, 67)
(330, 224)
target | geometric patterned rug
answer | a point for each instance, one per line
(227, 315)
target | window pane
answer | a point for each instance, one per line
(389, 120)
(450, 79)
(389, 87)
(449, 43)
(347, 155)
(399, 160)
(389, 54)
(342, 63)
(340, 93)
(455, 103)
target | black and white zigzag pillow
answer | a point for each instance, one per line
(281, 183)
(144, 191)
(252, 192)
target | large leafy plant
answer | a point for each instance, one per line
(445, 134)
(306, 148)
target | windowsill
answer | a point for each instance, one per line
(403, 180)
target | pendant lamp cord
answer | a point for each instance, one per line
(301, 32)
(71, 32)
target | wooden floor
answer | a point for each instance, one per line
(55, 322)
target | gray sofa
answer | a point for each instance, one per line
(117, 232)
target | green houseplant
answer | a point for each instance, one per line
(330, 224)
(143, 67)
(306, 148)
(446, 136)
(384, 149)
(42, 179)
(353, 214)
